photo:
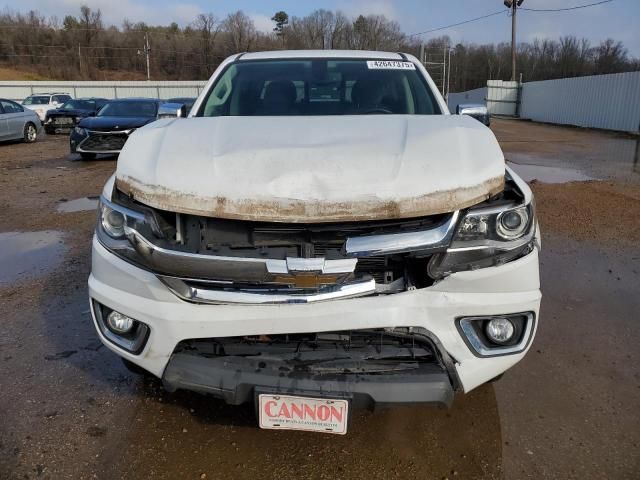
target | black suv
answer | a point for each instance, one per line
(69, 115)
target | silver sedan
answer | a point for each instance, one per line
(17, 122)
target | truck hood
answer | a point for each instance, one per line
(312, 169)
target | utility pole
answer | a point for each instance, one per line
(79, 61)
(513, 5)
(444, 69)
(146, 50)
(448, 75)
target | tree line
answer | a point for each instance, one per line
(83, 47)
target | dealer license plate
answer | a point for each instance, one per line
(287, 412)
(64, 121)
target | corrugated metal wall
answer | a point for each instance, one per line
(19, 90)
(610, 102)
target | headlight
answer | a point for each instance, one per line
(113, 219)
(80, 131)
(512, 223)
(487, 237)
(117, 224)
(493, 224)
(113, 222)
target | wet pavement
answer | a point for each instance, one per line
(570, 409)
(597, 154)
(25, 254)
(530, 172)
(78, 205)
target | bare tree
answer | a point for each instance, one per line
(91, 22)
(192, 52)
(610, 57)
(240, 32)
(208, 26)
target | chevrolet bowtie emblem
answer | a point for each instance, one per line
(310, 272)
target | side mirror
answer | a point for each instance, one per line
(172, 110)
(479, 112)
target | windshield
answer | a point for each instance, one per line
(38, 100)
(79, 105)
(319, 87)
(129, 108)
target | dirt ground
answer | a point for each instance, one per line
(570, 409)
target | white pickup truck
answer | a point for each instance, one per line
(41, 103)
(320, 233)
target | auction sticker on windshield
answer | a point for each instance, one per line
(389, 65)
(286, 412)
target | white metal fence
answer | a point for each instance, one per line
(610, 102)
(19, 90)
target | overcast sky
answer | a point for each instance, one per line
(619, 19)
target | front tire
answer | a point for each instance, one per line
(133, 368)
(30, 133)
(88, 156)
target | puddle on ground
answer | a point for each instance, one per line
(28, 254)
(548, 174)
(78, 205)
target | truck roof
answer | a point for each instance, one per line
(321, 54)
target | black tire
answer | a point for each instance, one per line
(88, 156)
(133, 368)
(30, 133)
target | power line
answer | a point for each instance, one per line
(503, 11)
(100, 56)
(59, 56)
(39, 45)
(566, 9)
(460, 23)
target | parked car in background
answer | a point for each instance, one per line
(475, 110)
(17, 122)
(186, 101)
(318, 233)
(68, 115)
(41, 103)
(108, 131)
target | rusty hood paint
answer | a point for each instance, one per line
(312, 169)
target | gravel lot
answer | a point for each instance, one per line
(69, 409)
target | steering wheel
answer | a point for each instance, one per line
(379, 109)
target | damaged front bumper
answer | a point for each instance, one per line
(500, 290)
(371, 367)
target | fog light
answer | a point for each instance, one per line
(499, 330)
(121, 330)
(119, 323)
